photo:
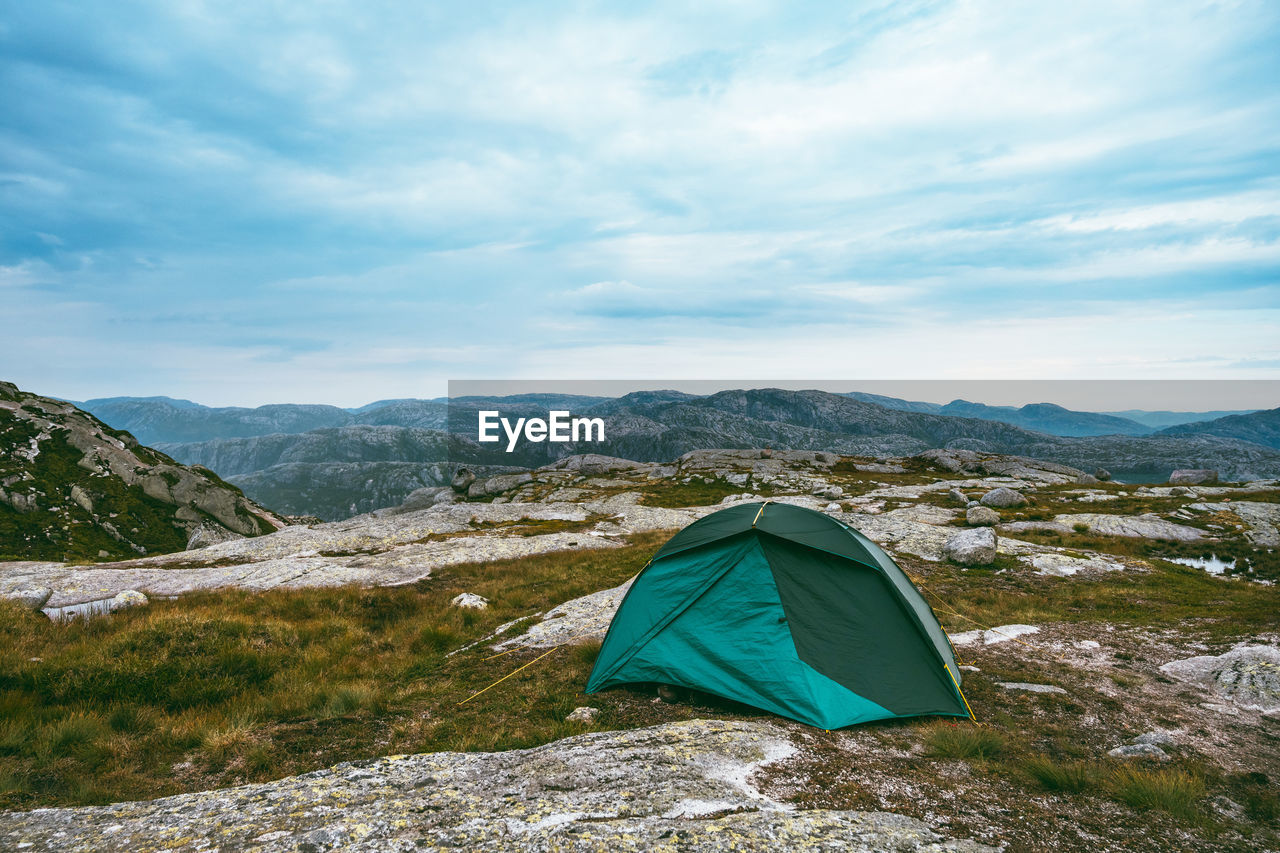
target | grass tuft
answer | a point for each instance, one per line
(964, 740)
(1070, 776)
(1166, 789)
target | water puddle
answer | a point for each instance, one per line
(88, 609)
(1210, 564)
(83, 610)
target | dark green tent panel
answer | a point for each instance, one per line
(788, 610)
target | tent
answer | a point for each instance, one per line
(785, 609)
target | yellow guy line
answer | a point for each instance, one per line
(760, 513)
(961, 692)
(578, 636)
(508, 675)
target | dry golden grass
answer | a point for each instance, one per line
(239, 686)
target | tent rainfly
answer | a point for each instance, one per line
(788, 610)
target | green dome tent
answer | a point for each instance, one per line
(788, 610)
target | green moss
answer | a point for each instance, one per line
(68, 532)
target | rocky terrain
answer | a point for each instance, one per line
(1085, 651)
(73, 488)
(682, 786)
(357, 467)
(603, 500)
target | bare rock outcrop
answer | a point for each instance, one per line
(1146, 526)
(85, 487)
(1248, 676)
(680, 786)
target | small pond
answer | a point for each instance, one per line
(1211, 564)
(84, 609)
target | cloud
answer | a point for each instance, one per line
(518, 185)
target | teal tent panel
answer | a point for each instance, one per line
(661, 592)
(733, 641)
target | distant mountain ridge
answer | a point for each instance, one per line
(155, 420)
(1041, 417)
(160, 420)
(1161, 419)
(335, 471)
(1258, 427)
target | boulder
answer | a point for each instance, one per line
(981, 516)
(471, 601)
(427, 496)
(20, 502)
(597, 464)
(831, 493)
(958, 496)
(1193, 476)
(832, 507)
(462, 480)
(498, 485)
(81, 497)
(1003, 497)
(128, 598)
(583, 714)
(1087, 480)
(1102, 474)
(1139, 750)
(973, 547)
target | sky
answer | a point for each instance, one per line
(243, 203)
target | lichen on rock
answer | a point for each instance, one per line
(679, 786)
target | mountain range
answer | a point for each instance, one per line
(155, 420)
(359, 460)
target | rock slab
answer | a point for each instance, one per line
(1193, 476)
(1248, 676)
(680, 786)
